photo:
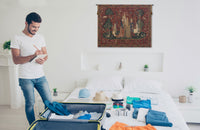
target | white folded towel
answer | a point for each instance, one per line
(142, 112)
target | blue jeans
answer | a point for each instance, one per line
(27, 86)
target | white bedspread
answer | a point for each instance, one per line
(163, 103)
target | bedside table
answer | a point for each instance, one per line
(61, 96)
(190, 111)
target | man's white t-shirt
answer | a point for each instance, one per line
(25, 44)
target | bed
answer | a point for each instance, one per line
(131, 87)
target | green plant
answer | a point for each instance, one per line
(6, 45)
(191, 89)
(146, 66)
(54, 90)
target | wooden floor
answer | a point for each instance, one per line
(12, 119)
(15, 119)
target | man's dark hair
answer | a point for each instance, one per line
(33, 17)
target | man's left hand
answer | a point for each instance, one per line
(40, 61)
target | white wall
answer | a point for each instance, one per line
(4, 86)
(70, 28)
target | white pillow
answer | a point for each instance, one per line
(105, 83)
(142, 85)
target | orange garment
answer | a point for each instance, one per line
(123, 126)
(118, 126)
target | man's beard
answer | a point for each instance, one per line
(30, 31)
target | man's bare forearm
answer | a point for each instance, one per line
(23, 59)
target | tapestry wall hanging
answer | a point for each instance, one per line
(124, 25)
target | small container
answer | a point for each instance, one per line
(190, 98)
(117, 104)
(146, 68)
(55, 93)
(182, 99)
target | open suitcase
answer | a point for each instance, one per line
(71, 124)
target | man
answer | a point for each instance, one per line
(25, 47)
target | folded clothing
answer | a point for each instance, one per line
(154, 99)
(157, 118)
(123, 126)
(141, 114)
(142, 104)
(85, 117)
(82, 115)
(53, 116)
(129, 100)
